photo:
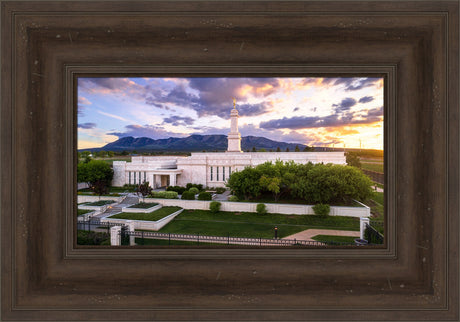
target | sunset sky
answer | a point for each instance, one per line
(334, 112)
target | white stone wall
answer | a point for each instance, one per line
(145, 224)
(287, 209)
(119, 169)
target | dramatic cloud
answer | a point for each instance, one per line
(213, 96)
(349, 84)
(150, 131)
(295, 109)
(366, 99)
(87, 126)
(306, 122)
(344, 105)
(179, 120)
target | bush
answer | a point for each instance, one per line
(158, 194)
(194, 185)
(205, 196)
(188, 195)
(261, 209)
(171, 195)
(214, 206)
(92, 238)
(194, 190)
(220, 190)
(180, 190)
(233, 198)
(321, 209)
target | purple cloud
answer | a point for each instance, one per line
(179, 120)
(344, 105)
(366, 99)
(150, 131)
(87, 126)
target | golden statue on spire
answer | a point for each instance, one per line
(234, 102)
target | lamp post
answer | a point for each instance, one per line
(276, 232)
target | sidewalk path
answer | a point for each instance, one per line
(309, 233)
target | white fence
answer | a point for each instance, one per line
(287, 209)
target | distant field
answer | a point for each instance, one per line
(374, 166)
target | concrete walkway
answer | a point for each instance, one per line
(309, 233)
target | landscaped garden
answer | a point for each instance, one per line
(152, 216)
(253, 225)
(99, 203)
(144, 205)
(81, 212)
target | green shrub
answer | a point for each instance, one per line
(220, 190)
(205, 196)
(194, 190)
(188, 195)
(214, 206)
(158, 194)
(170, 195)
(233, 198)
(321, 209)
(194, 185)
(261, 209)
(178, 189)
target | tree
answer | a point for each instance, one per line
(110, 154)
(271, 184)
(352, 159)
(308, 149)
(297, 148)
(245, 183)
(262, 150)
(253, 149)
(144, 190)
(278, 149)
(97, 174)
(287, 149)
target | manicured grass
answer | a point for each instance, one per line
(100, 203)
(377, 167)
(252, 225)
(152, 216)
(81, 212)
(378, 197)
(336, 239)
(376, 204)
(144, 205)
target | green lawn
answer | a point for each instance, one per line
(100, 203)
(82, 211)
(152, 216)
(337, 239)
(377, 167)
(204, 222)
(144, 205)
(376, 204)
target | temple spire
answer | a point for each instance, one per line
(234, 137)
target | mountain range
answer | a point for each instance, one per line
(193, 143)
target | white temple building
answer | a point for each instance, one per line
(211, 169)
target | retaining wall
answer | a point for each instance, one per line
(287, 209)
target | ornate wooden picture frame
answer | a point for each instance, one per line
(46, 45)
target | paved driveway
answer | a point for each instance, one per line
(309, 233)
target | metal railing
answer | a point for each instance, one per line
(372, 235)
(228, 240)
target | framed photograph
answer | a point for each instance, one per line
(98, 88)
